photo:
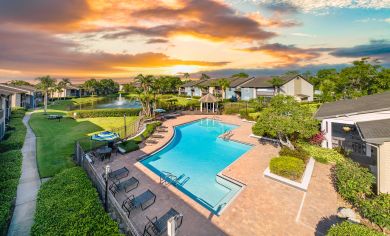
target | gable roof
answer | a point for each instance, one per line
(208, 98)
(5, 92)
(192, 83)
(365, 104)
(18, 89)
(264, 82)
(10, 89)
(376, 131)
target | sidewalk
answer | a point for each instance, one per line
(29, 183)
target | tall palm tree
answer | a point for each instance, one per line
(45, 84)
(62, 85)
(186, 76)
(204, 76)
(145, 92)
(224, 84)
(276, 82)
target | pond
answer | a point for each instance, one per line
(108, 103)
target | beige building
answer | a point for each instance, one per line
(69, 91)
(362, 127)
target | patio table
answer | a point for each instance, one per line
(104, 152)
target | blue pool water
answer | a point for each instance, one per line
(196, 155)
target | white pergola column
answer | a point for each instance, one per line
(213, 107)
(201, 106)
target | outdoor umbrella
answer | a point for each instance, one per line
(105, 136)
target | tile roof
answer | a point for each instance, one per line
(366, 104)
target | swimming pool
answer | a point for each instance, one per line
(195, 156)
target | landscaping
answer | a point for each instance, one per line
(68, 204)
(323, 155)
(128, 146)
(150, 128)
(347, 228)
(104, 113)
(288, 167)
(10, 165)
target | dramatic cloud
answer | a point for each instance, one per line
(157, 40)
(208, 19)
(288, 54)
(44, 13)
(277, 20)
(35, 51)
(376, 48)
(282, 7)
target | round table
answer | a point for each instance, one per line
(104, 152)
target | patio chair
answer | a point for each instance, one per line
(118, 174)
(151, 141)
(157, 136)
(126, 185)
(143, 201)
(159, 226)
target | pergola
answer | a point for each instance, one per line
(209, 102)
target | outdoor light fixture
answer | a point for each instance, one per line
(107, 171)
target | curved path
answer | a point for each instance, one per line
(29, 183)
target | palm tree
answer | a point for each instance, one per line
(144, 93)
(240, 75)
(186, 76)
(204, 76)
(276, 82)
(63, 84)
(46, 83)
(224, 84)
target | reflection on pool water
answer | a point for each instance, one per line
(195, 156)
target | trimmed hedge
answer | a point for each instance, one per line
(349, 229)
(354, 183)
(323, 155)
(129, 146)
(289, 167)
(10, 166)
(68, 204)
(150, 128)
(105, 113)
(298, 153)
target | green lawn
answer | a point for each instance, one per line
(55, 140)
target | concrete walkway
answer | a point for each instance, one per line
(29, 183)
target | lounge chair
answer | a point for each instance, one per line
(126, 185)
(151, 141)
(159, 226)
(143, 201)
(157, 136)
(118, 174)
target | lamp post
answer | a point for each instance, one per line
(107, 171)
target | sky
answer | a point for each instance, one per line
(82, 39)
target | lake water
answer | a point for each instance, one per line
(108, 103)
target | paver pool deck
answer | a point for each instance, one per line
(264, 206)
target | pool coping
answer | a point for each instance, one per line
(219, 174)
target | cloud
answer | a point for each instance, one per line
(375, 48)
(38, 51)
(315, 5)
(304, 35)
(44, 13)
(288, 54)
(282, 7)
(274, 21)
(208, 19)
(366, 20)
(157, 40)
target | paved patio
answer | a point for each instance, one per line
(264, 207)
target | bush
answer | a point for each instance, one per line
(349, 229)
(254, 116)
(105, 113)
(15, 134)
(354, 183)
(244, 112)
(298, 153)
(129, 146)
(323, 155)
(7, 196)
(289, 167)
(150, 128)
(68, 204)
(377, 210)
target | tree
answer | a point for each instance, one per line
(240, 75)
(145, 92)
(128, 88)
(286, 120)
(45, 84)
(276, 82)
(63, 84)
(186, 76)
(91, 86)
(204, 76)
(224, 84)
(19, 83)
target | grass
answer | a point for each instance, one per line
(55, 140)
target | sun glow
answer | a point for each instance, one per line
(180, 69)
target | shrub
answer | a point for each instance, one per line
(244, 112)
(347, 228)
(354, 183)
(377, 210)
(289, 167)
(7, 196)
(150, 128)
(323, 155)
(317, 138)
(129, 146)
(298, 153)
(68, 204)
(15, 134)
(254, 116)
(105, 113)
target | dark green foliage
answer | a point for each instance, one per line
(68, 204)
(10, 166)
(377, 210)
(150, 128)
(353, 182)
(129, 146)
(298, 152)
(105, 113)
(322, 155)
(349, 229)
(289, 167)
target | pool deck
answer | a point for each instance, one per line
(264, 206)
